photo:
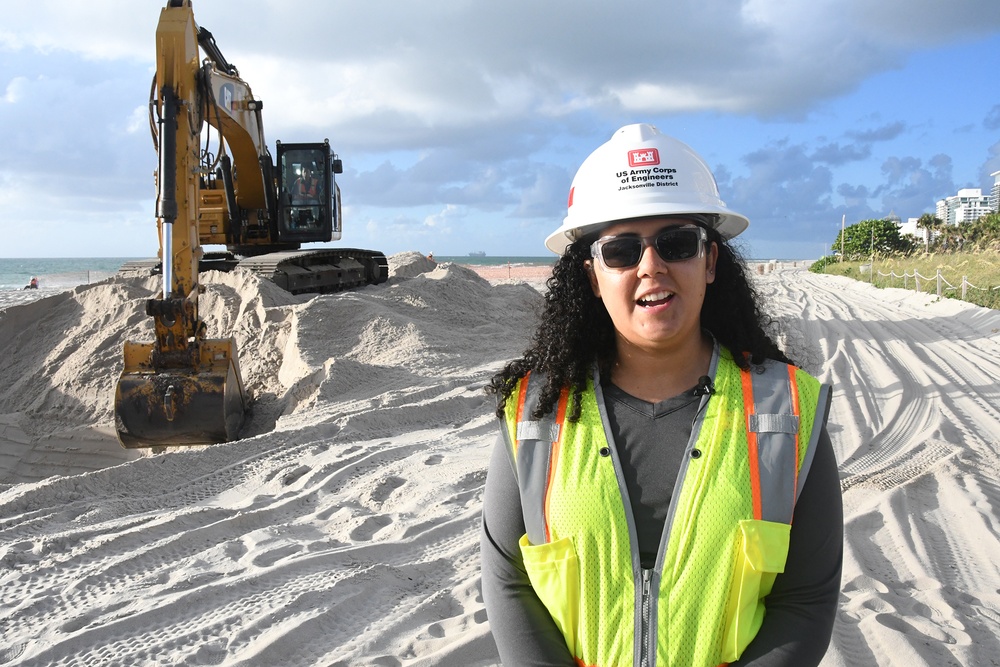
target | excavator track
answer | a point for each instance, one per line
(320, 271)
(295, 271)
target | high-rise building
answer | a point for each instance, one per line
(995, 192)
(967, 206)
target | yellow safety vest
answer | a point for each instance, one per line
(726, 533)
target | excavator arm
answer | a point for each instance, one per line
(183, 388)
(230, 107)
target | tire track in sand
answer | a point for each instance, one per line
(915, 424)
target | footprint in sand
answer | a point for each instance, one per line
(386, 487)
(295, 475)
(372, 525)
(272, 556)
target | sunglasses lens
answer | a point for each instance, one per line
(678, 244)
(621, 253)
(672, 245)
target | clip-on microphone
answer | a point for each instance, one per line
(704, 386)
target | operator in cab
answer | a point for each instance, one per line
(306, 189)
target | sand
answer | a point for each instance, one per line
(343, 528)
(504, 275)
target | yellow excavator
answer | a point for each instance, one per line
(185, 388)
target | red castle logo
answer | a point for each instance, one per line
(643, 157)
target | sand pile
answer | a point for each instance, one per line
(351, 502)
(343, 528)
(64, 352)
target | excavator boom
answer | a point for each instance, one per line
(183, 388)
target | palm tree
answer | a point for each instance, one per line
(930, 223)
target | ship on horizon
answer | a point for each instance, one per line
(477, 253)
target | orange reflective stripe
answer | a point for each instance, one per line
(748, 409)
(554, 457)
(793, 385)
(521, 395)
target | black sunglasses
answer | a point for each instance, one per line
(673, 244)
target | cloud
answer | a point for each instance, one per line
(413, 75)
(443, 64)
(905, 23)
(884, 133)
(860, 149)
(990, 167)
(992, 120)
(484, 108)
(434, 179)
(785, 192)
(105, 30)
(73, 139)
(543, 191)
(835, 154)
(911, 186)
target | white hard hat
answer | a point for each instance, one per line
(638, 173)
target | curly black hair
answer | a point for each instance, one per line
(576, 331)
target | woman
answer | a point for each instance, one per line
(655, 442)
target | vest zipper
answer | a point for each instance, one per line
(647, 576)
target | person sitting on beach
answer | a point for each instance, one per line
(655, 441)
(32, 284)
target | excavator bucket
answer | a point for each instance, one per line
(196, 405)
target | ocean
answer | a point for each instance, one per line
(480, 260)
(57, 273)
(67, 273)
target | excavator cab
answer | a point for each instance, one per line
(308, 195)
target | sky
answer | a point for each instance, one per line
(461, 124)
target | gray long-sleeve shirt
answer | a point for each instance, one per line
(650, 439)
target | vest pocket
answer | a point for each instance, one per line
(554, 572)
(761, 555)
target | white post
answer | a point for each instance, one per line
(871, 261)
(965, 284)
(843, 219)
(939, 282)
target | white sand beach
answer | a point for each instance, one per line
(343, 528)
